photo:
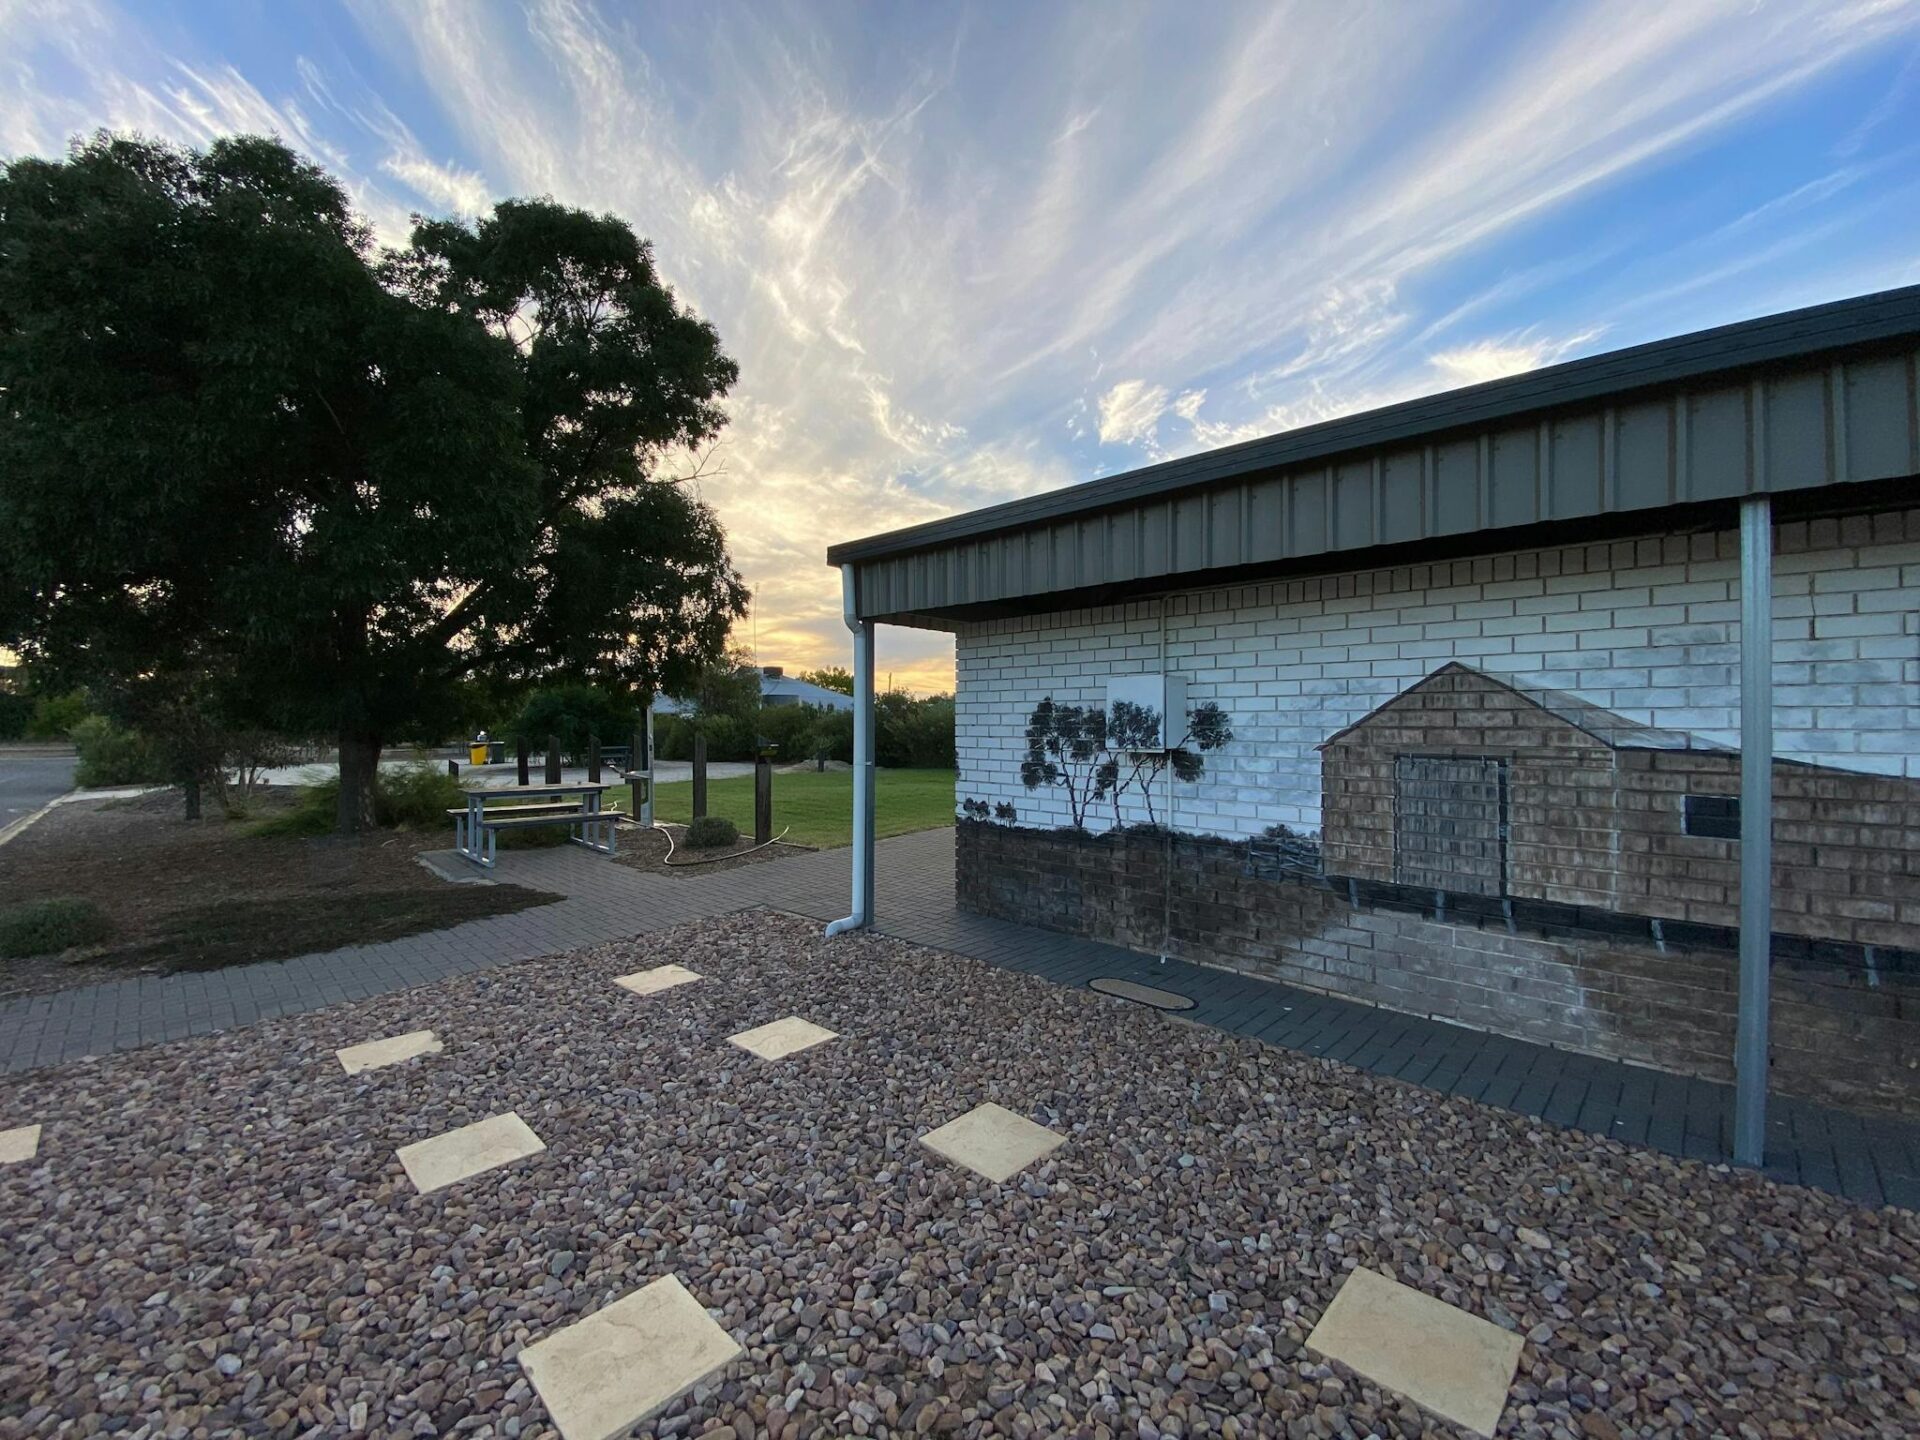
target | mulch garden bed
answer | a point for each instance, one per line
(217, 1238)
(208, 894)
(640, 849)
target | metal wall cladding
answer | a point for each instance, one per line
(1841, 421)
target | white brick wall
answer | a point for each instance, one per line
(1648, 628)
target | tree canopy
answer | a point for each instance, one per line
(833, 677)
(251, 459)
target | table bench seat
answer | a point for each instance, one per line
(529, 822)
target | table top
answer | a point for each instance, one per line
(482, 792)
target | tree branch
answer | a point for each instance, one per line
(456, 618)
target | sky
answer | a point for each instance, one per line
(965, 253)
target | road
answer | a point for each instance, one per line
(29, 779)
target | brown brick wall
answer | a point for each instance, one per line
(1846, 849)
(1561, 786)
(1600, 827)
(1837, 1036)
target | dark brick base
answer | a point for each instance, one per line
(1841, 1034)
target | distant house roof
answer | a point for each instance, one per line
(783, 689)
(1616, 732)
(776, 688)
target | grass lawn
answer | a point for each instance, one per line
(814, 808)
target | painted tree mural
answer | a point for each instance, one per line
(1095, 758)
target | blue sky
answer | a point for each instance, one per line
(965, 253)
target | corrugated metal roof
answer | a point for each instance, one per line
(1796, 400)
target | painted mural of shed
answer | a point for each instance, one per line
(1476, 784)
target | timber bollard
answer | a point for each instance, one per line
(593, 759)
(520, 761)
(699, 776)
(553, 759)
(762, 800)
(453, 768)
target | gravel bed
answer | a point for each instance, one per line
(216, 1237)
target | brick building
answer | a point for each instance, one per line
(1480, 659)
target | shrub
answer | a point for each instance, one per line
(315, 811)
(799, 731)
(913, 734)
(417, 797)
(909, 734)
(672, 738)
(792, 729)
(834, 735)
(46, 927)
(55, 716)
(728, 738)
(710, 832)
(112, 756)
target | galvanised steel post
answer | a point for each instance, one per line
(861, 915)
(646, 764)
(1756, 830)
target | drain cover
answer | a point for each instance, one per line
(1145, 994)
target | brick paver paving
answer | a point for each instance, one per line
(1873, 1159)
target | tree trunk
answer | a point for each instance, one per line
(359, 763)
(192, 789)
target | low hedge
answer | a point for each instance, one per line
(710, 832)
(46, 927)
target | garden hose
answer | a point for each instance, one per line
(668, 859)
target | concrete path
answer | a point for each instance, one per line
(1870, 1159)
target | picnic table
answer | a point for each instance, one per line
(476, 828)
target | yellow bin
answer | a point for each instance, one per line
(477, 753)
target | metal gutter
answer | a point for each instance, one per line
(860, 912)
(1863, 320)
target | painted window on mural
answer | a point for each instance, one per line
(1450, 823)
(1712, 817)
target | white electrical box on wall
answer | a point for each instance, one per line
(1164, 697)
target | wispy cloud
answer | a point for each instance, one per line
(446, 188)
(1130, 413)
(964, 255)
(1496, 358)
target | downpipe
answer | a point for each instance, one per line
(862, 900)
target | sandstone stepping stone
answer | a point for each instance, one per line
(620, 1365)
(662, 977)
(993, 1141)
(782, 1038)
(21, 1143)
(1145, 994)
(377, 1053)
(1437, 1355)
(471, 1150)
